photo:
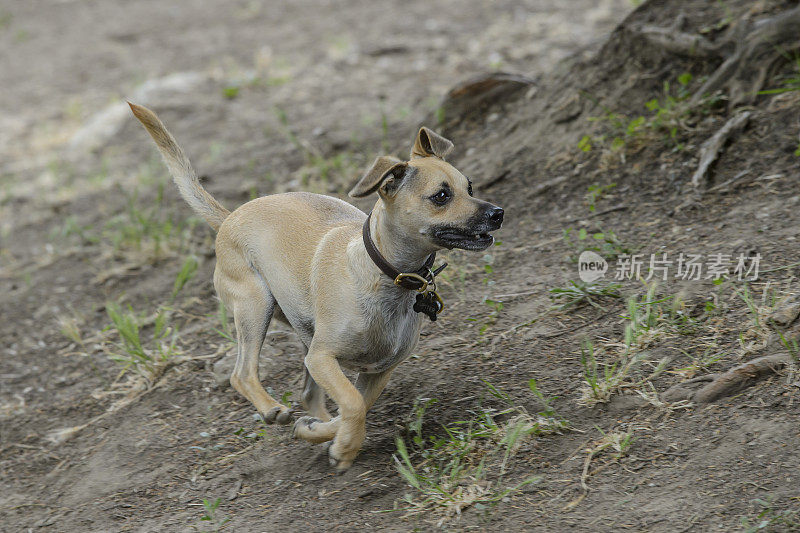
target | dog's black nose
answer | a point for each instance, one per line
(495, 215)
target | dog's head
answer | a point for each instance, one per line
(430, 199)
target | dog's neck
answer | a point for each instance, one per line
(395, 245)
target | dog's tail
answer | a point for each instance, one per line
(181, 169)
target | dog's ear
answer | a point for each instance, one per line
(383, 170)
(429, 143)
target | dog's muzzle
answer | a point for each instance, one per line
(475, 236)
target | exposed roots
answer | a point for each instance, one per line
(748, 50)
(480, 91)
(758, 47)
(677, 42)
(728, 383)
(712, 147)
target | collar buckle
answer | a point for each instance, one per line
(414, 278)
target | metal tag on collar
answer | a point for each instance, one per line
(439, 301)
(430, 304)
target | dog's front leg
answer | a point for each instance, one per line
(347, 429)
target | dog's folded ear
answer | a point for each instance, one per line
(384, 171)
(429, 143)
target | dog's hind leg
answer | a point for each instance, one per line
(314, 398)
(371, 386)
(252, 314)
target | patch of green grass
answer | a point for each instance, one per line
(224, 330)
(792, 346)
(212, 516)
(147, 355)
(722, 23)
(22, 35)
(602, 383)
(494, 304)
(608, 369)
(231, 91)
(651, 317)
(596, 192)
(747, 298)
(5, 19)
(619, 132)
(466, 467)
(699, 363)
(757, 336)
(148, 229)
(789, 82)
(185, 274)
(666, 118)
(496, 307)
(72, 228)
(603, 242)
(286, 398)
(770, 519)
(585, 143)
(545, 421)
(577, 293)
(618, 441)
(70, 328)
(671, 110)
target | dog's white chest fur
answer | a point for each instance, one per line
(388, 335)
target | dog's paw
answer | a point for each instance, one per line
(339, 459)
(312, 429)
(280, 414)
(303, 425)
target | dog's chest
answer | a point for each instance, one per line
(388, 336)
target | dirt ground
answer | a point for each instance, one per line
(270, 97)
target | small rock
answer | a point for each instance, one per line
(567, 109)
(786, 312)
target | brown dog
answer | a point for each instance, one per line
(306, 257)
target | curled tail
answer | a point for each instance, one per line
(181, 169)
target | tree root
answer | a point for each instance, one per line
(678, 42)
(482, 90)
(734, 380)
(711, 148)
(757, 50)
(749, 49)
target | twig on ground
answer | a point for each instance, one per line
(620, 207)
(711, 148)
(540, 188)
(734, 380)
(727, 183)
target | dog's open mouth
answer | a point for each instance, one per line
(462, 238)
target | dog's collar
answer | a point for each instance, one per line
(413, 281)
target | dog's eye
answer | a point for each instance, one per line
(469, 187)
(441, 197)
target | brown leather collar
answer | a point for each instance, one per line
(413, 281)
